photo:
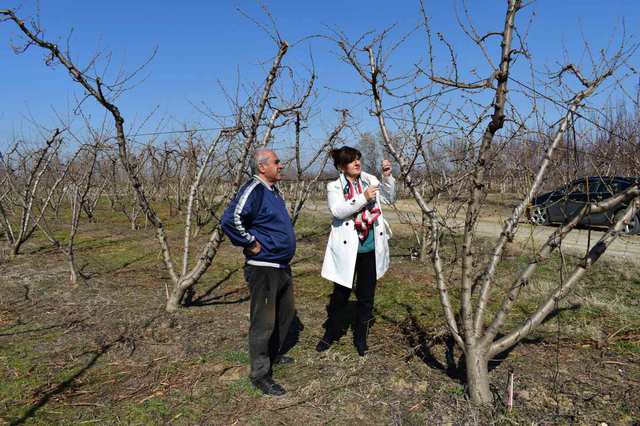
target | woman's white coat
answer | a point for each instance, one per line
(342, 248)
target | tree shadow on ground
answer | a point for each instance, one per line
(33, 330)
(66, 384)
(206, 299)
(313, 235)
(118, 269)
(305, 274)
(301, 260)
(422, 342)
(220, 299)
(556, 312)
(44, 328)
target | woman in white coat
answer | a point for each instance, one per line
(358, 250)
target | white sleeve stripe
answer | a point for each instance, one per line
(236, 213)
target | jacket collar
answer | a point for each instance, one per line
(270, 188)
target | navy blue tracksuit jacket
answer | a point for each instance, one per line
(259, 213)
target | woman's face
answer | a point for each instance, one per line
(352, 169)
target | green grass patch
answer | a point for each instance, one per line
(236, 357)
(242, 387)
(627, 347)
(154, 410)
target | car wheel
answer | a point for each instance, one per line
(538, 215)
(632, 226)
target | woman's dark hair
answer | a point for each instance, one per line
(343, 156)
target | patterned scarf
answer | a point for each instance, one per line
(365, 218)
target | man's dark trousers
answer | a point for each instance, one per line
(272, 310)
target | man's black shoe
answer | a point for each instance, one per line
(284, 359)
(268, 387)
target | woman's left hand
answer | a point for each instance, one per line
(386, 168)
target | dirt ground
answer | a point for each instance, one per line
(107, 353)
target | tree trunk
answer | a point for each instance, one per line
(424, 238)
(15, 249)
(175, 298)
(73, 269)
(478, 376)
(73, 275)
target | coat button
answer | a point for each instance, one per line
(381, 233)
(345, 241)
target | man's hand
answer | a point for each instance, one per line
(370, 192)
(386, 168)
(255, 249)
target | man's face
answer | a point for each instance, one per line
(271, 170)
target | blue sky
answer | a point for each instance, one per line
(202, 42)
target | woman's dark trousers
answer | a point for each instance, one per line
(365, 288)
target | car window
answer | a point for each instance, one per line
(598, 185)
(577, 186)
(560, 190)
(620, 185)
(592, 186)
(611, 186)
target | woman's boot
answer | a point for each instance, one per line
(325, 342)
(360, 331)
(331, 332)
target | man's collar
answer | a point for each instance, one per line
(269, 187)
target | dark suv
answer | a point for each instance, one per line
(559, 205)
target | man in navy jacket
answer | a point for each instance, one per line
(257, 219)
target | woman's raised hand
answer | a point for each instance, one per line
(370, 192)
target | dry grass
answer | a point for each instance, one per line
(106, 352)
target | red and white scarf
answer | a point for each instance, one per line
(366, 217)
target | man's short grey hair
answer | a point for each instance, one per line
(260, 156)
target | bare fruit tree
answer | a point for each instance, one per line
(305, 184)
(250, 122)
(478, 327)
(120, 191)
(80, 182)
(31, 178)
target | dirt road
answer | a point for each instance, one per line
(577, 242)
(627, 247)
